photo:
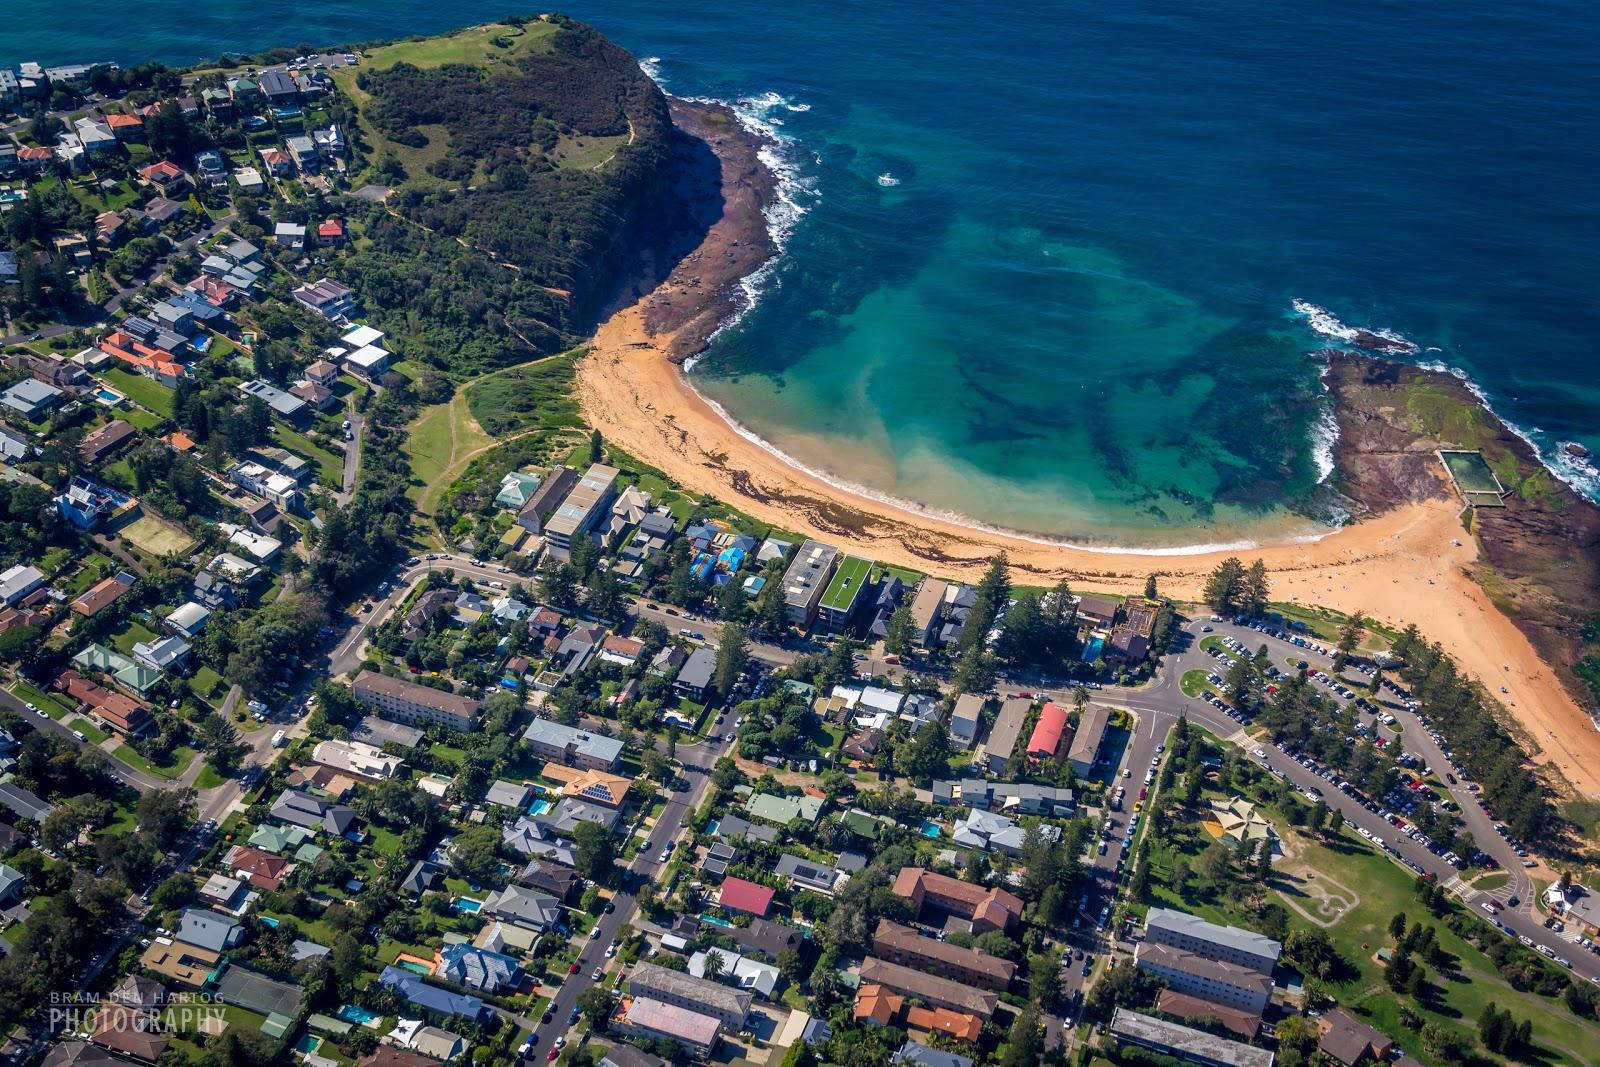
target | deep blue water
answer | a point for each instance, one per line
(1072, 313)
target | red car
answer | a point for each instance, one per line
(1142, 792)
(573, 969)
(552, 1054)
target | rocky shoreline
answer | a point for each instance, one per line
(1539, 553)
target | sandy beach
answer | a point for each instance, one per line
(1404, 565)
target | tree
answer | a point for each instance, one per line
(898, 635)
(974, 671)
(220, 742)
(1150, 592)
(596, 851)
(164, 814)
(1224, 586)
(476, 853)
(596, 447)
(595, 1004)
(714, 963)
(1397, 926)
(1025, 1042)
(1257, 591)
(558, 585)
(927, 754)
(1350, 635)
(733, 652)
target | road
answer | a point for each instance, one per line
(352, 456)
(645, 868)
(139, 780)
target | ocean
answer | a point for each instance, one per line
(1041, 268)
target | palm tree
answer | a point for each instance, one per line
(714, 962)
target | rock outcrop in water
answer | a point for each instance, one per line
(1540, 552)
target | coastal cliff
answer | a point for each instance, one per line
(1539, 553)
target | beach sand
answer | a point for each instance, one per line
(1404, 565)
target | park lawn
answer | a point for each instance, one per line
(87, 729)
(449, 753)
(1214, 642)
(181, 758)
(473, 46)
(535, 395)
(586, 152)
(330, 468)
(37, 697)
(143, 391)
(388, 949)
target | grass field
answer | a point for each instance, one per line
(441, 441)
(87, 729)
(330, 468)
(181, 758)
(533, 396)
(135, 633)
(143, 391)
(157, 537)
(39, 699)
(1194, 684)
(847, 583)
(587, 153)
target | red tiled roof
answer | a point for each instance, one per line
(99, 596)
(162, 171)
(740, 895)
(116, 119)
(34, 155)
(1047, 733)
(331, 228)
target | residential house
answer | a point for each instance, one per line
(737, 894)
(477, 969)
(1183, 1042)
(409, 702)
(695, 1031)
(1002, 741)
(1050, 734)
(357, 758)
(985, 908)
(105, 440)
(1085, 750)
(326, 297)
(572, 746)
(730, 1007)
(1349, 1042)
(170, 653)
(164, 176)
(1242, 988)
(932, 990)
(296, 807)
(522, 907)
(19, 580)
(804, 873)
(1229, 944)
(207, 929)
(31, 398)
(412, 989)
(806, 579)
(695, 678)
(283, 405)
(965, 718)
(290, 235)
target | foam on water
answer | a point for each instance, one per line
(887, 180)
(651, 65)
(1326, 324)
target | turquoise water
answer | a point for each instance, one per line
(350, 1013)
(1040, 266)
(930, 828)
(468, 907)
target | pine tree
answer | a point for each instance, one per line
(1397, 926)
(733, 652)
(1224, 585)
(1150, 592)
(898, 635)
(1257, 589)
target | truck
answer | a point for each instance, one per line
(280, 739)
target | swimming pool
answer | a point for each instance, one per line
(308, 1044)
(108, 396)
(468, 907)
(414, 967)
(270, 921)
(714, 921)
(350, 1013)
(1092, 650)
(930, 828)
(538, 807)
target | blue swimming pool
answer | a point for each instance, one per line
(270, 921)
(538, 807)
(350, 1013)
(1092, 650)
(468, 907)
(931, 828)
